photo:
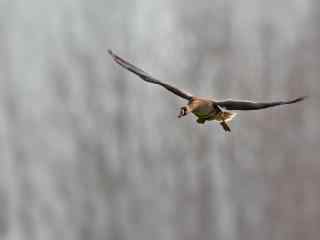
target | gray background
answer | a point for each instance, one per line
(89, 151)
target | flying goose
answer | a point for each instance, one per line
(204, 108)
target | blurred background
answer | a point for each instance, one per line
(89, 151)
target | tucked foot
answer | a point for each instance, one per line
(201, 120)
(225, 126)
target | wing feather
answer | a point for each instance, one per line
(147, 77)
(249, 105)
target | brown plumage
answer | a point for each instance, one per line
(206, 109)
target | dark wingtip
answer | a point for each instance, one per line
(115, 57)
(304, 97)
(299, 99)
(110, 52)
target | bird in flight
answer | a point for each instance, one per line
(205, 109)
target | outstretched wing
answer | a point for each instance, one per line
(248, 105)
(148, 78)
